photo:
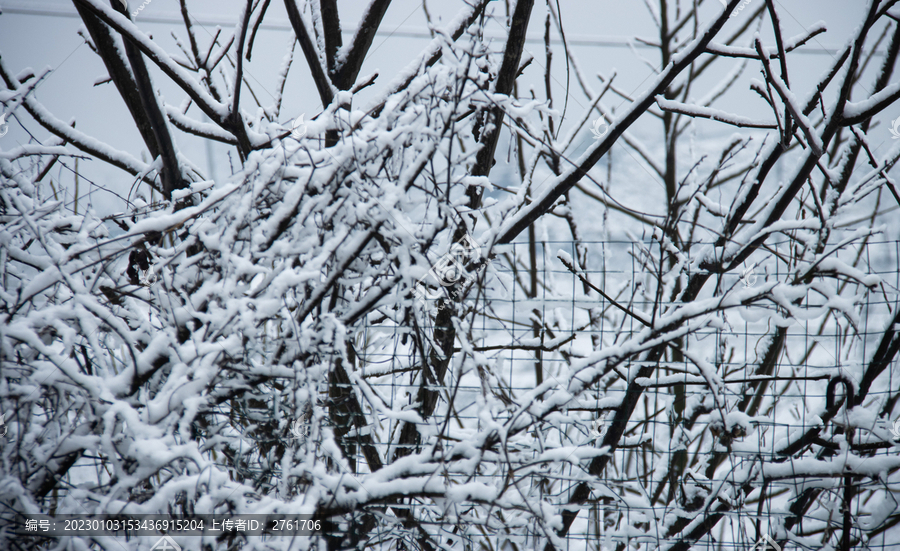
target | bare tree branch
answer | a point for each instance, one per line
(323, 82)
(352, 58)
(544, 201)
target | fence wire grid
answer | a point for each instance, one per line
(534, 335)
(533, 320)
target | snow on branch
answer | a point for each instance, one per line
(710, 113)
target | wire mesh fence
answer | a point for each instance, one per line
(716, 407)
(535, 318)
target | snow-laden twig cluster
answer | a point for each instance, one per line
(212, 351)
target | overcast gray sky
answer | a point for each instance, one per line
(43, 34)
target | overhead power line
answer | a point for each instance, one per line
(407, 32)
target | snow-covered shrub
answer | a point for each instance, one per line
(211, 351)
